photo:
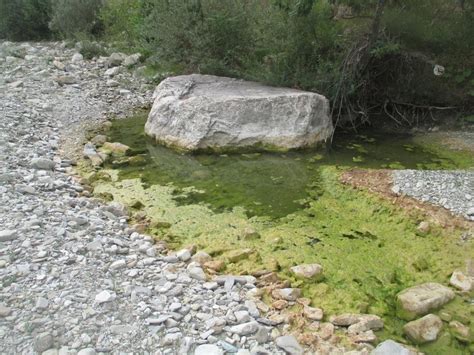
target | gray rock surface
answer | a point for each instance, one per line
(193, 112)
(424, 330)
(390, 347)
(421, 299)
(60, 249)
(289, 344)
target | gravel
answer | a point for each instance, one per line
(453, 190)
(74, 277)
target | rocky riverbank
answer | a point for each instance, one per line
(77, 278)
(74, 277)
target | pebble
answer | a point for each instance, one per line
(289, 344)
(449, 189)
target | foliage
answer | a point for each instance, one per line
(123, 22)
(72, 18)
(90, 49)
(24, 19)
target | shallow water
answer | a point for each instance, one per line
(270, 184)
(369, 249)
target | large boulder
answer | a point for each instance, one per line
(204, 112)
(422, 299)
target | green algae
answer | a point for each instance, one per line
(300, 213)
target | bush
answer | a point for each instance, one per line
(123, 23)
(73, 18)
(22, 20)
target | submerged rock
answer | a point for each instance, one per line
(193, 112)
(115, 148)
(420, 300)
(424, 330)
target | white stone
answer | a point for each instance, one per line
(308, 271)
(244, 328)
(104, 296)
(205, 112)
(208, 349)
(77, 58)
(183, 255)
(461, 281)
(7, 235)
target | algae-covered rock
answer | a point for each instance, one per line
(424, 330)
(249, 233)
(313, 313)
(420, 300)
(460, 331)
(99, 140)
(215, 265)
(115, 148)
(201, 257)
(461, 281)
(288, 294)
(308, 271)
(237, 255)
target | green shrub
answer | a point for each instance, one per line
(123, 22)
(22, 20)
(90, 49)
(72, 18)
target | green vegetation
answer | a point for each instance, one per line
(373, 59)
(227, 203)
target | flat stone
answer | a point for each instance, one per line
(289, 344)
(87, 351)
(288, 294)
(43, 342)
(208, 349)
(118, 264)
(196, 273)
(244, 328)
(424, 330)
(201, 257)
(313, 313)
(237, 255)
(4, 311)
(104, 296)
(43, 164)
(390, 347)
(209, 112)
(308, 271)
(66, 80)
(120, 329)
(8, 235)
(115, 148)
(420, 300)
(183, 254)
(42, 303)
